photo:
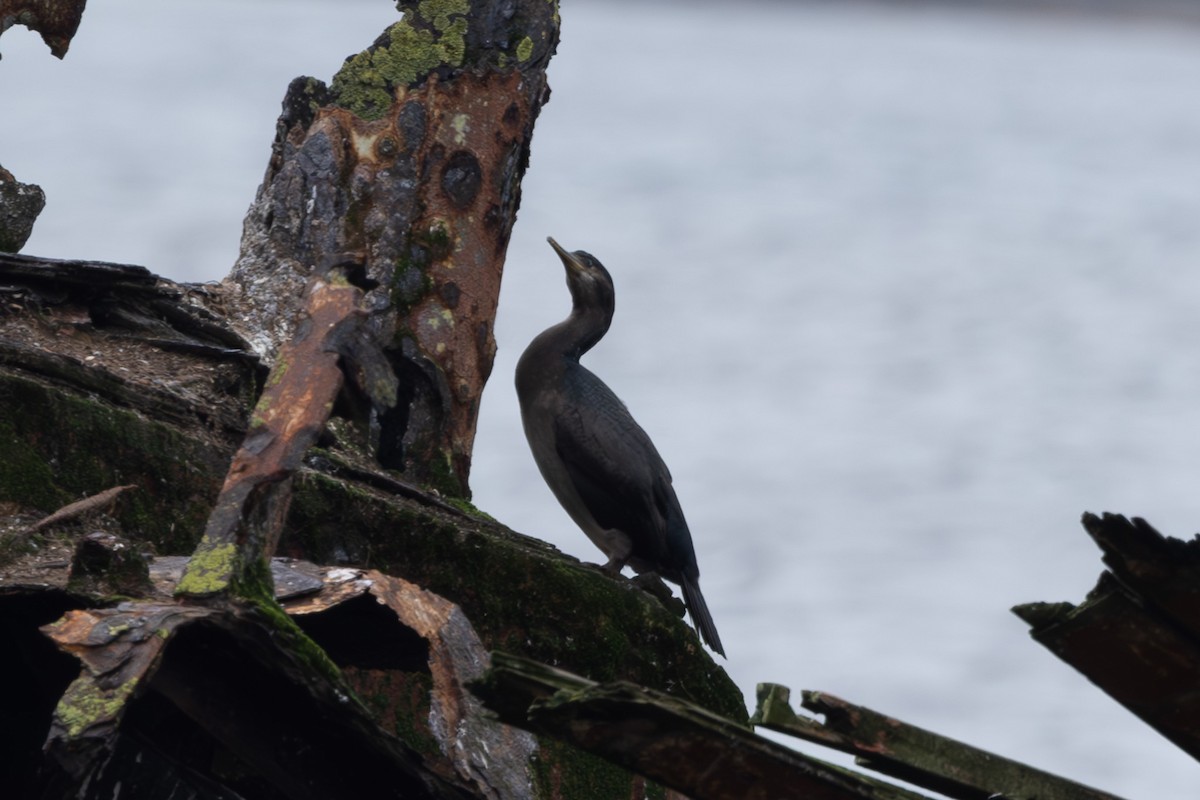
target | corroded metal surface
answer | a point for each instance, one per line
(413, 156)
(55, 20)
(118, 649)
(493, 757)
(20, 205)
(246, 522)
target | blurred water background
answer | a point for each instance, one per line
(902, 290)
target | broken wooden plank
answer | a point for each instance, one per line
(1162, 571)
(96, 502)
(1140, 658)
(666, 739)
(912, 754)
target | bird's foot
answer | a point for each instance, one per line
(613, 566)
(652, 584)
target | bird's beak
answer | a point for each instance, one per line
(569, 260)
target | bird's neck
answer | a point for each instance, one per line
(578, 333)
(555, 348)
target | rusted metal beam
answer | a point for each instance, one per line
(912, 754)
(245, 525)
(668, 740)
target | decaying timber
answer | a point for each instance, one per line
(668, 739)
(1137, 634)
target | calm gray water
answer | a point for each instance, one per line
(900, 294)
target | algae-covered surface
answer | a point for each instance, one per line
(521, 594)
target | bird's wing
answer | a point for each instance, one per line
(613, 465)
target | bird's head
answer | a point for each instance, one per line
(590, 284)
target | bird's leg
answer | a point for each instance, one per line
(615, 563)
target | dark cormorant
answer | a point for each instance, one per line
(598, 461)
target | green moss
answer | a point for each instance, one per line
(59, 446)
(467, 507)
(560, 770)
(441, 475)
(298, 643)
(278, 372)
(25, 475)
(521, 596)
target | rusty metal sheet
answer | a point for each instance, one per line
(118, 648)
(495, 758)
(247, 519)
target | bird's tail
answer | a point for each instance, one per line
(700, 616)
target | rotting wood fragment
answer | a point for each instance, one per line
(1161, 570)
(676, 743)
(96, 502)
(1137, 634)
(912, 754)
(1144, 662)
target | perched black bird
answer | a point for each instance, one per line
(598, 461)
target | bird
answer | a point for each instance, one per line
(598, 462)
